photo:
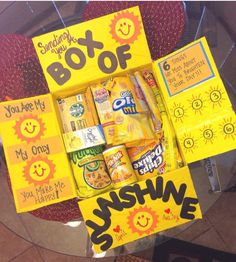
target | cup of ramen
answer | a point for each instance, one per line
(90, 172)
(119, 166)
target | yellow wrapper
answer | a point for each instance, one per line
(104, 109)
(119, 166)
(90, 172)
(132, 123)
(150, 98)
(148, 160)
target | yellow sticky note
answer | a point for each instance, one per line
(197, 101)
(146, 208)
(37, 162)
(93, 50)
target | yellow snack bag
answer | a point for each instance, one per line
(90, 172)
(148, 160)
(150, 98)
(104, 109)
(131, 122)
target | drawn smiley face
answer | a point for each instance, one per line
(125, 27)
(30, 127)
(142, 220)
(39, 170)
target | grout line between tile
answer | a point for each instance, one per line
(218, 233)
(203, 232)
(21, 253)
(41, 256)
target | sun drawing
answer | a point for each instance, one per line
(197, 104)
(216, 96)
(208, 134)
(142, 220)
(189, 143)
(39, 170)
(125, 27)
(29, 128)
(179, 112)
(228, 128)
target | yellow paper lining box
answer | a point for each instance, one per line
(197, 102)
(146, 208)
(37, 162)
(92, 50)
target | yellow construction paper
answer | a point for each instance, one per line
(93, 50)
(197, 102)
(37, 162)
(132, 212)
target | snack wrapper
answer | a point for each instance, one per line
(90, 172)
(148, 160)
(104, 110)
(132, 123)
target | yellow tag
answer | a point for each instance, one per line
(37, 162)
(93, 50)
(197, 102)
(169, 201)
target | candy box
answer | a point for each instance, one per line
(37, 162)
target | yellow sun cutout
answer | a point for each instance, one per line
(142, 220)
(39, 170)
(29, 128)
(228, 128)
(125, 27)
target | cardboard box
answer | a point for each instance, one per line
(78, 56)
(37, 162)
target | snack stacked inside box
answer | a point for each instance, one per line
(117, 132)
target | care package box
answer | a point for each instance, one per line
(75, 58)
(105, 50)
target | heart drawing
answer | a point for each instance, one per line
(167, 211)
(116, 229)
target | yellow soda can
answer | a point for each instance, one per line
(119, 166)
(90, 172)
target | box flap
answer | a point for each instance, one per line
(92, 50)
(197, 102)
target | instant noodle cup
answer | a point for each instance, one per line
(119, 166)
(148, 160)
(90, 172)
